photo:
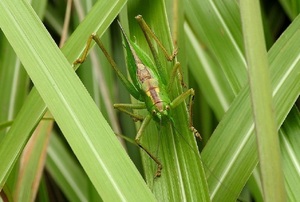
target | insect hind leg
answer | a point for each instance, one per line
(149, 33)
(137, 140)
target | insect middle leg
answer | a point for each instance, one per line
(124, 108)
(176, 71)
(178, 100)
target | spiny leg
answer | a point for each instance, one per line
(176, 69)
(192, 128)
(177, 101)
(85, 52)
(147, 31)
(130, 87)
(137, 140)
(123, 108)
(146, 120)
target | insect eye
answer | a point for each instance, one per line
(167, 107)
(153, 112)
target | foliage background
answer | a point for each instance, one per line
(68, 165)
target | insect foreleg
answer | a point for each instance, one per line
(137, 140)
(85, 52)
(123, 108)
(177, 101)
(132, 90)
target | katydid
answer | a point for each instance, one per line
(148, 85)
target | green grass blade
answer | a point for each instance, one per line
(290, 143)
(12, 82)
(262, 107)
(32, 163)
(108, 9)
(35, 106)
(215, 56)
(15, 140)
(234, 135)
(207, 73)
(291, 8)
(67, 173)
(70, 105)
(217, 25)
(182, 175)
(209, 28)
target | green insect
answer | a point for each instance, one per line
(148, 85)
